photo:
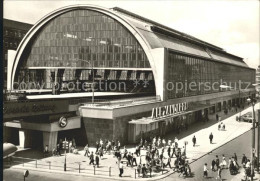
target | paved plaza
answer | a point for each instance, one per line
(79, 164)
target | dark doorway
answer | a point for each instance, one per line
(37, 140)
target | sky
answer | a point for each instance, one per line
(229, 24)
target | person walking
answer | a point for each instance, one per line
(58, 149)
(168, 162)
(91, 158)
(205, 170)
(121, 169)
(134, 159)
(144, 170)
(213, 163)
(217, 161)
(210, 138)
(194, 140)
(86, 150)
(219, 173)
(244, 160)
(217, 117)
(97, 160)
(169, 151)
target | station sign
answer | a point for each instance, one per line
(31, 108)
(169, 110)
(63, 122)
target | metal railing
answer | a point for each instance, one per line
(79, 167)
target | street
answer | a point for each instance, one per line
(241, 145)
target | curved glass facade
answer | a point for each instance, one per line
(77, 38)
(191, 76)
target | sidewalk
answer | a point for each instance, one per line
(109, 168)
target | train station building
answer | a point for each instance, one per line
(148, 79)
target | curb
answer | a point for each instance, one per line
(94, 176)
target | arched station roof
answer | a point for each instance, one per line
(32, 34)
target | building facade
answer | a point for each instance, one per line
(89, 43)
(13, 33)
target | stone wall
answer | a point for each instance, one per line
(98, 128)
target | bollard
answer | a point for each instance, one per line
(150, 172)
(49, 165)
(94, 170)
(162, 171)
(135, 173)
(35, 163)
(23, 162)
(79, 167)
(109, 171)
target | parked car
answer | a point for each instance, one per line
(248, 117)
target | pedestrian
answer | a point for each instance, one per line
(86, 149)
(217, 117)
(97, 160)
(113, 144)
(97, 146)
(244, 160)
(144, 170)
(46, 151)
(168, 162)
(194, 140)
(91, 158)
(118, 145)
(129, 159)
(169, 151)
(217, 161)
(134, 159)
(205, 170)
(210, 138)
(58, 149)
(235, 157)
(121, 169)
(213, 163)
(219, 173)
(224, 163)
(223, 127)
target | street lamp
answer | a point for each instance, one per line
(93, 80)
(252, 101)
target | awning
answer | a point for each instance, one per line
(149, 120)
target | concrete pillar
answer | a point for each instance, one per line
(25, 138)
(50, 139)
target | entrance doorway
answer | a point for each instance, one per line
(37, 140)
(162, 128)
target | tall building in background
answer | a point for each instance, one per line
(13, 33)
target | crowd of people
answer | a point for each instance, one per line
(156, 155)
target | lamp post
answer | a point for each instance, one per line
(93, 79)
(252, 101)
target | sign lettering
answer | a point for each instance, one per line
(169, 110)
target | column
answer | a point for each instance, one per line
(25, 138)
(50, 139)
